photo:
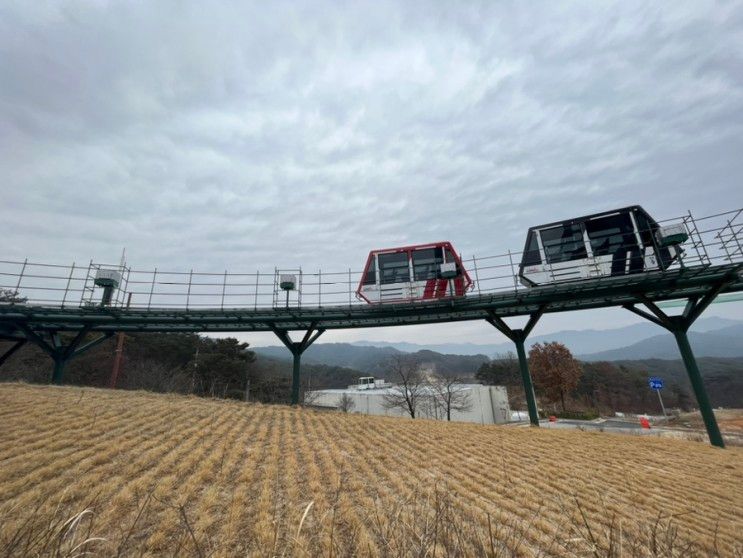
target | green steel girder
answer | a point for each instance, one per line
(8, 353)
(59, 352)
(518, 336)
(678, 326)
(297, 348)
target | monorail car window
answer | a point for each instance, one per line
(371, 274)
(426, 263)
(645, 229)
(393, 268)
(450, 258)
(609, 235)
(563, 243)
(531, 254)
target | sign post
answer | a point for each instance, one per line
(657, 385)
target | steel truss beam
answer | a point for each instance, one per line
(518, 336)
(297, 348)
(7, 354)
(679, 326)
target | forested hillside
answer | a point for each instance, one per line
(178, 363)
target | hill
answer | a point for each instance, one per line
(710, 337)
(174, 475)
(375, 360)
(580, 342)
(723, 378)
(726, 343)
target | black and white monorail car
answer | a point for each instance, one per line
(611, 243)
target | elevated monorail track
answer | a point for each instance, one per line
(59, 308)
(618, 291)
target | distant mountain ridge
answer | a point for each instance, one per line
(713, 337)
(722, 343)
(375, 360)
(580, 342)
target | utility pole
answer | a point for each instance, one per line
(195, 366)
(661, 404)
(119, 353)
(247, 382)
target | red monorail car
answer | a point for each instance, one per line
(413, 273)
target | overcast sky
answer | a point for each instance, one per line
(235, 137)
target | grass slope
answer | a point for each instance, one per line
(172, 475)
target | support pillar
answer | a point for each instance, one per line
(58, 351)
(531, 400)
(58, 371)
(297, 348)
(695, 377)
(296, 379)
(518, 336)
(679, 326)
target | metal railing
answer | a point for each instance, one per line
(713, 240)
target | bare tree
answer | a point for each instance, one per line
(450, 394)
(310, 397)
(410, 386)
(345, 403)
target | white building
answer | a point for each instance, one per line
(488, 404)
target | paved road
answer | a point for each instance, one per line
(600, 425)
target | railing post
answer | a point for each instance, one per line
(319, 287)
(152, 288)
(188, 293)
(67, 287)
(257, 276)
(513, 274)
(299, 290)
(734, 237)
(224, 286)
(20, 277)
(349, 286)
(477, 275)
(85, 285)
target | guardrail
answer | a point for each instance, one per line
(714, 240)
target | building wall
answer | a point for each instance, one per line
(489, 404)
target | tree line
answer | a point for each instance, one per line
(184, 363)
(567, 386)
(193, 364)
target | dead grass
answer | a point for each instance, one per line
(729, 420)
(97, 472)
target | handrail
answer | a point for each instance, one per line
(719, 241)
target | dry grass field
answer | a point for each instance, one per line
(730, 420)
(115, 473)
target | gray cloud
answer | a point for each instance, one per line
(245, 137)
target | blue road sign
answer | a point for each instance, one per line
(655, 383)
